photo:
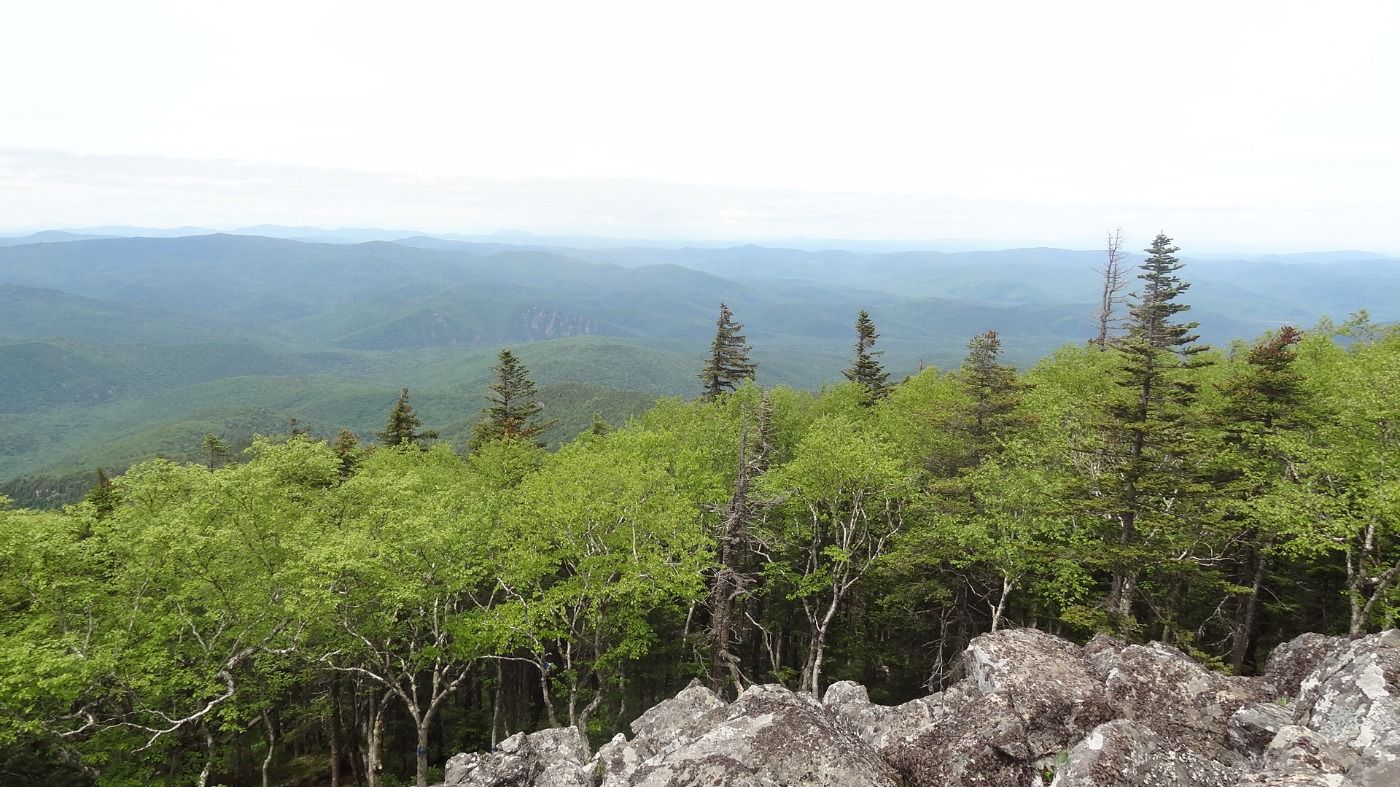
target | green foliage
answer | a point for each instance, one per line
(513, 413)
(728, 364)
(866, 370)
(402, 430)
(165, 621)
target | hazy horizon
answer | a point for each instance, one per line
(1253, 126)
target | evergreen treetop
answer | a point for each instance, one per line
(513, 413)
(403, 425)
(728, 364)
(866, 369)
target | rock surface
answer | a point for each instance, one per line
(1253, 727)
(1166, 691)
(1124, 752)
(1293, 661)
(1030, 708)
(1046, 681)
(769, 735)
(880, 725)
(1352, 698)
(548, 758)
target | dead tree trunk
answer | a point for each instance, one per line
(1111, 294)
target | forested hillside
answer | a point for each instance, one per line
(338, 610)
(117, 349)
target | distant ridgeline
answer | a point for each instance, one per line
(117, 349)
(337, 607)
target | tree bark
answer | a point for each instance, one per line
(1246, 613)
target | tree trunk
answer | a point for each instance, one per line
(421, 753)
(1125, 577)
(496, 704)
(333, 732)
(208, 768)
(1246, 612)
(271, 749)
(374, 740)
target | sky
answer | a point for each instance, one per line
(1268, 126)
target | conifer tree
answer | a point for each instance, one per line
(217, 450)
(867, 369)
(995, 391)
(347, 448)
(103, 495)
(728, 364)
(1148, 426)
(514, 410)
(403, 425)
(1251, 463)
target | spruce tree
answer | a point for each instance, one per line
(1148, 426)
(217, 450)
(403, 425)
(347, 448)
(513, 413)
(996, 392)
(728, 365)
(867, 369)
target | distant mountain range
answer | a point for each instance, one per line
(116, 348)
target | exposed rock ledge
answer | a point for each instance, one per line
(1033, 709)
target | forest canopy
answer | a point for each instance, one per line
(367, 611)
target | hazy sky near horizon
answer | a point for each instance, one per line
(1259, 125)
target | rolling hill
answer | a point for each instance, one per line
(115, 349)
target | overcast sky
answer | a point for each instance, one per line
(1230, 125)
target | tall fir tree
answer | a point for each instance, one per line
(1148, 425)
(866, 369)
(995, 392)
(514, 410)
(402, 428)
(728, 365)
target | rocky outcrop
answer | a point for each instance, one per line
(1293, 661)
(1352, 699)
(1171, 694)
(1030, 709)
(1125, 752)
(548, 758)
(1253, 727)
(768, 736)
(880, 725)
(1047, 682)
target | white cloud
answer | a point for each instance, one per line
(1253, 123)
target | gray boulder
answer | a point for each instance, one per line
(879, 725)
(1122, 753)
(1293, 661)
(1048, 682)
(1101, 651)
(769, 736)
(1299, 757)
(548, 758)
(1166, 691)
(1253, 727)
(615, 762)
(1352, 699)
(671, 720)
(975, 738)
